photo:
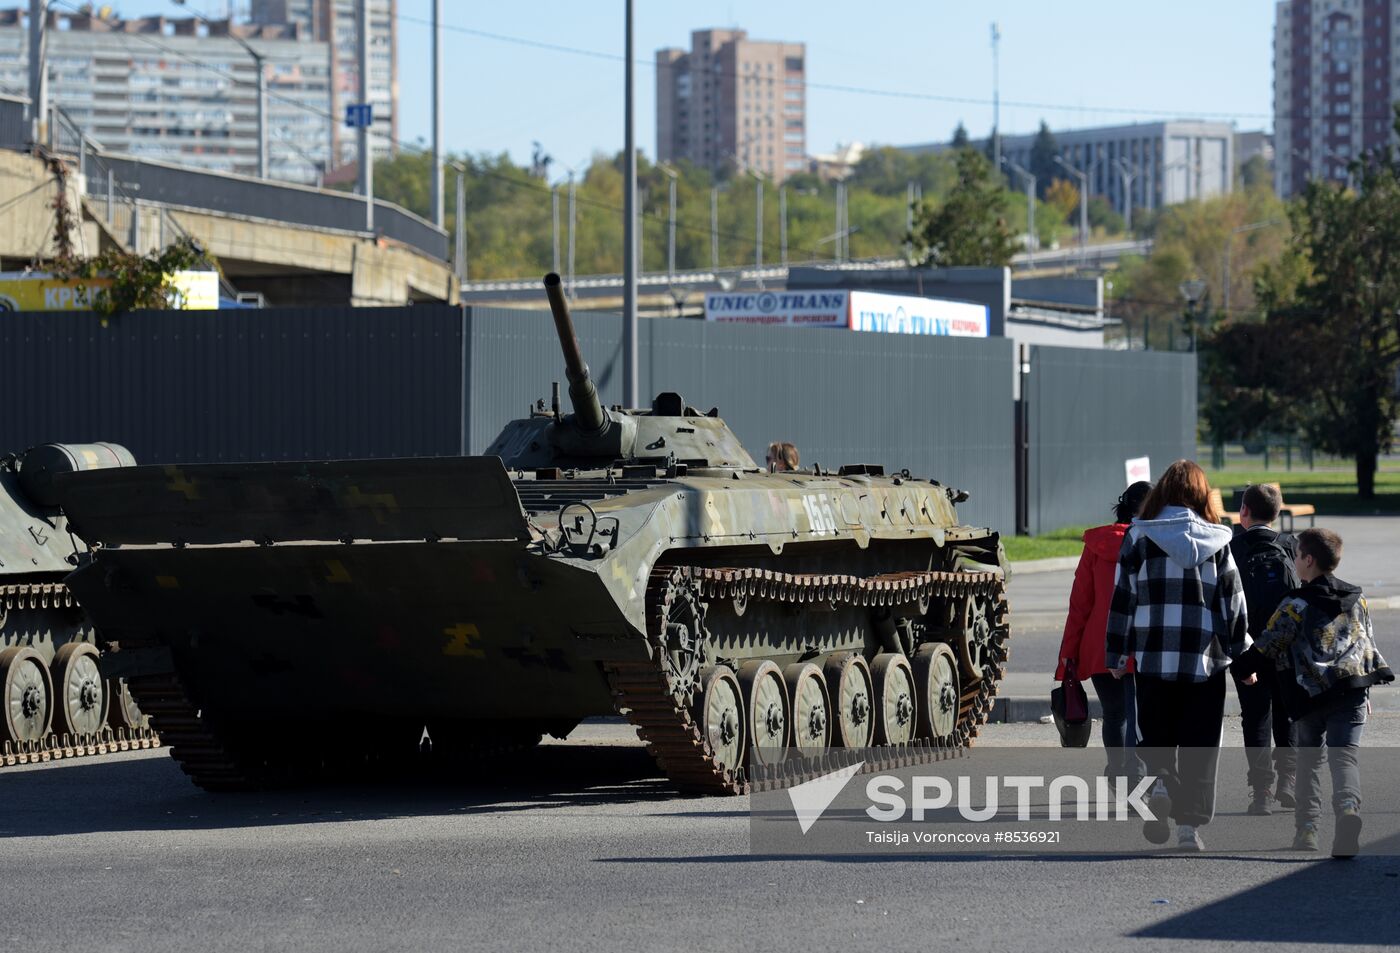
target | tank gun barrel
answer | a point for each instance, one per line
(588, 409)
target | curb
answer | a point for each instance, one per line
(1056, 564)
(1029, 708)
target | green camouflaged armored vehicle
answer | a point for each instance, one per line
(275, 616)
(54, 700)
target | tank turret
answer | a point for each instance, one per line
(667, 434)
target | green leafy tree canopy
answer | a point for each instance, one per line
(970, 226)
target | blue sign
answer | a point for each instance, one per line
(359, 115)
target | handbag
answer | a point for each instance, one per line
(1070, 707)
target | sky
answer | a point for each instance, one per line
(923, 66)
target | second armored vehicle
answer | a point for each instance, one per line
(274, 616)
(54, 700)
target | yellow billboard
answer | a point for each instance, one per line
(37, 291)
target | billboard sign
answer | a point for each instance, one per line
(899, 314)
(811, 309)
(856, 310)
(36, 291)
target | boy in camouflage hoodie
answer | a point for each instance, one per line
(1320, 639)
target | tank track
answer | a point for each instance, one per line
(644, 693)
(53, 746)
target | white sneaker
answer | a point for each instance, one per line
(1158, 831)
(1188, 839)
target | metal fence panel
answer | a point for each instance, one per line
(1090, 411)
(940, 407)
(285, 384)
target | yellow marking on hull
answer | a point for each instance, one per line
(336, 571)
(377, 503)
(167, 582)
(459, 641)
(180, 484)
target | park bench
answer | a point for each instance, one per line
(1219, 503)
(1289, 511)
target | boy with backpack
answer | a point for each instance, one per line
(1265, 561)
(1321, 640)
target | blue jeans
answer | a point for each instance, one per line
(1337, 723)
(1118, 699)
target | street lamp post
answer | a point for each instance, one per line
(1128, 172)
(1193, 291)
(1083, 178)
(1032, 239)
(258, 64)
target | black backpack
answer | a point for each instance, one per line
(1268, 576)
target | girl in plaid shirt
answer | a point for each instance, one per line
(1179, 613)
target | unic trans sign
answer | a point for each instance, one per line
(857, 310)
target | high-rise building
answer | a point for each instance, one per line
(732, 101)
(1335, 77)
(182, 90)
(333, 22)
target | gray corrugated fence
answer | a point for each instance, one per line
(337, 383)
(1091, 411)
(195, 387)
(939, 407)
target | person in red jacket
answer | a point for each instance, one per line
(1083, 641)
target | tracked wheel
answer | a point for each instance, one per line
(122, 710)
(26, 692)
(80, 692)
(811, 705)
(936, 676)
(895, 699)
(849, 683)
(769, 714)
(720, 713)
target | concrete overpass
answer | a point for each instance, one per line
(292, 244)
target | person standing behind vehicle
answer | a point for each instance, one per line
(1083, 641)
(1265, 560)
(1179, 615)
(782, 457)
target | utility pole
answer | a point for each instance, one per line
(782, 223)
(461, 224)
(840, 219)
(670, 224)
(38, 71)
(366, 151)
(996, 96)
(629, 233)
(554, 215)
(437, 115)
(573, 189)
(714, 229)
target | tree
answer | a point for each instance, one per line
(1043, 152)
(1339, 331)
(1103, 215)
(969, 227)
(960, 139)
(1063, 197)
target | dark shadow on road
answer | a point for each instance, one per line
(1354, 902)
(970, 857)
(152, 794)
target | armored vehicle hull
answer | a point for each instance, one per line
(54, 700)
(280, 618)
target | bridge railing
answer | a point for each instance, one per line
(130, 178)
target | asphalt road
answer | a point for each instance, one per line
(580, 847)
